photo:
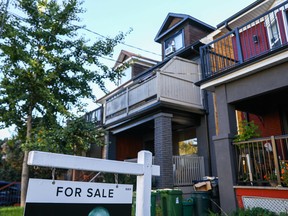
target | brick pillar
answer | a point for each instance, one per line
(163, 149)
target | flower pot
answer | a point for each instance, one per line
(273, 183)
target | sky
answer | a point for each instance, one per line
(145, 17)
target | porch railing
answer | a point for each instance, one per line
(186, 169)
(262, 161)
(256, 38)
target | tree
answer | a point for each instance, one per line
(46, 67)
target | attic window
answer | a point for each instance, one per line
(174, 43)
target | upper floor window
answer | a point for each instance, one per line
(274, 35)
(174, 43)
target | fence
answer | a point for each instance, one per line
(186, 169)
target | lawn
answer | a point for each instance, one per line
(11, 211)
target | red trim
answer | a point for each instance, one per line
(268, 192)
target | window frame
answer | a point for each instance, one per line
(171, 38)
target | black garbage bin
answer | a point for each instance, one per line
(202, 203)
(215, 201)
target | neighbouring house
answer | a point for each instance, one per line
(245, 66)
(159, 108)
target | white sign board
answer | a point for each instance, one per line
(47, 197)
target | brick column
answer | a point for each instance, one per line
(163, 149)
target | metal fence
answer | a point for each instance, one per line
(186, 169)
(10, 193)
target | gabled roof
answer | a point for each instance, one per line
(124, 55)
(181, 18)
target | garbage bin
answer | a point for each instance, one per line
(215, 201)
(202, 203)
(171, 202)
(153, 203)
(187, 207)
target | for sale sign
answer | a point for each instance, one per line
(55, 198)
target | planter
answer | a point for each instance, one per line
(273, 183)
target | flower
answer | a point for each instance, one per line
(270, 176)
(284, 172)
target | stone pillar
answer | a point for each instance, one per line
(163, 149)
(224, 150)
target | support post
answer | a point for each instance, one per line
(143, 191)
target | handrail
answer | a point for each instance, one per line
(232, 45)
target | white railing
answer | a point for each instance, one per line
(186, 169)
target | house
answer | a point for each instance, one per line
(244, 64)
(160, 109)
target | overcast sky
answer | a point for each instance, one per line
(145, 17)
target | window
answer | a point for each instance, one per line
(274, 35)
(174, 43)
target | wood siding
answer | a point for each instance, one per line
(174, 83)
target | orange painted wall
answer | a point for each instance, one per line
(269, 124)
(268, 192)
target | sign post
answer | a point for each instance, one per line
(143, 169)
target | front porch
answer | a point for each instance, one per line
(262, 173)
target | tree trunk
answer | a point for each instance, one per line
(25, 168)
(24, 178)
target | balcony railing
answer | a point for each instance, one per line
(262, 161)
(95, 116)
(157, 87)
(256, 38)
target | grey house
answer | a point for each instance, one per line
(161, 109)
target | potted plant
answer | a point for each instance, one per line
(271, 177)
(247, 130)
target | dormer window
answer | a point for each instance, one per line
(174, 43)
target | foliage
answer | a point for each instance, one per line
(11, 159)
(75, 138)
(284, 172)
(270, 176)
(12, 211)
(256, 211)
(246, 131)
(188, 147)
(47, 68)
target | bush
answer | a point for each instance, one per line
(12, 211)
(257, 211)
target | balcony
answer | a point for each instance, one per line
(257, 39)
(95, 116)
(263, 161)
(172, 84)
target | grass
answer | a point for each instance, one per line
(11, 211)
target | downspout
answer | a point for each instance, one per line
(227, 26)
